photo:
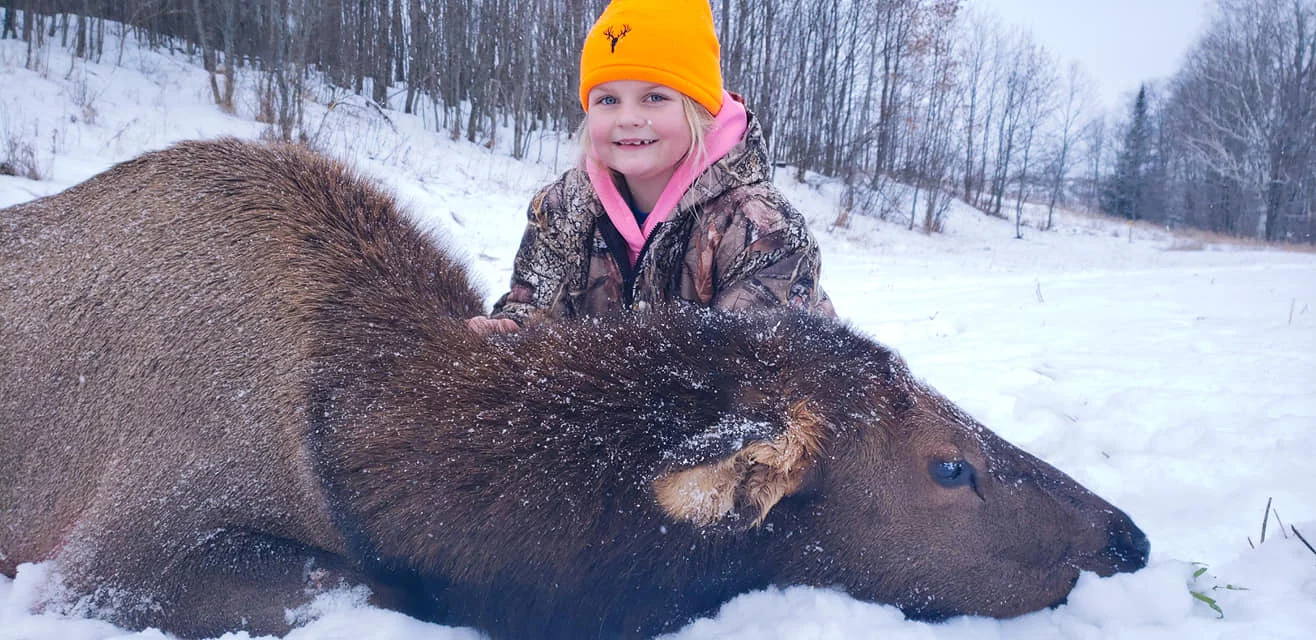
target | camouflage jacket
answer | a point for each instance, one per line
(732, 243)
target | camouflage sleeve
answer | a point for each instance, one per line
(536, 271)
(767, 257)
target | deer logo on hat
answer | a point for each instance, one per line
(616, 37)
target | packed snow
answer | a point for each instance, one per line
(1174, 377)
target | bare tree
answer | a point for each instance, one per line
(935, 105)
(1094, 151)
(210, 58)
(1248, 91)
(1074, 102)
(1036, 89)
(976, 54)
(9, 30)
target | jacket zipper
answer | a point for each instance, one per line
(630, 276)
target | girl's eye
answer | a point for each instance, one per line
(654, 97)
(606, 100)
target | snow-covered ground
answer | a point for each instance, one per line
(1175, 379)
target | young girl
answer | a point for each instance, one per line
(673, 201)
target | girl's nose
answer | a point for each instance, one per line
(632, 118)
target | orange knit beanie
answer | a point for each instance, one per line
(670, 42)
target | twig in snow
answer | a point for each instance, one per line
(1281, 525)
(1292, 305)
(1264, 520)
(1039, 292)
(1304, 540)
(119, 133)
(379, 111)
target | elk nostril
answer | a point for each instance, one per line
(1127, 547)
(1143, 546)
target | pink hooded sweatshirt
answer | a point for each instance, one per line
(727, 131)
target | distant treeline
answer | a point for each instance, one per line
(922, 92)
(1229, 143)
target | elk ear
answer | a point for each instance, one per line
(748, 482)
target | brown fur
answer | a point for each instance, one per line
(232, 375)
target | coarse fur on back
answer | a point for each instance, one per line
(235, 375)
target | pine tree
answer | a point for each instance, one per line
(1127, 192)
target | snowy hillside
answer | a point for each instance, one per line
(1175, 379)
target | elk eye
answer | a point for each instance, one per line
(951, 473)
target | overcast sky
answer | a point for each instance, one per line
(1120, 43)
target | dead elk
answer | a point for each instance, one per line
(233, 375)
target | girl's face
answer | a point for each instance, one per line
(638, 129)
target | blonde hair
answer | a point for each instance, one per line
(697, 117)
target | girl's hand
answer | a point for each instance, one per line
(484, 325)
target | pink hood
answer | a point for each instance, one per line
(727, 131)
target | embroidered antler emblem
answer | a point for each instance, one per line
(616, 37)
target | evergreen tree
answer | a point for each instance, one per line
(1127, 192)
